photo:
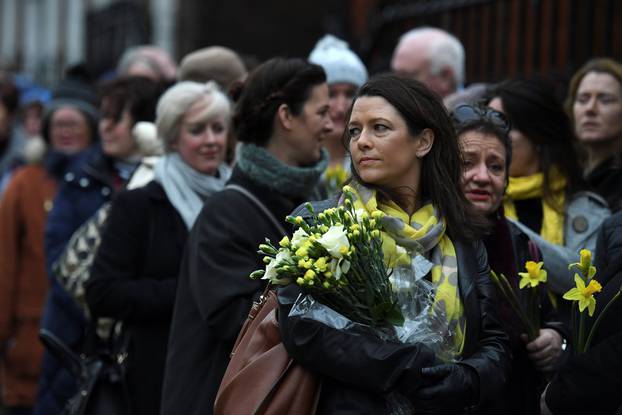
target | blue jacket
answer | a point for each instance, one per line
(86, 185)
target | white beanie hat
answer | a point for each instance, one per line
(338, 61)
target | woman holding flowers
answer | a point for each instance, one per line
(487, 153)
(134, 274)
(281, 119)
(406, 174)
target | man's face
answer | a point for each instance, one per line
(411, 60)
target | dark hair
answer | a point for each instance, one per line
(535, 111)
(275, 82)
(481, 122)
(138, 95)
(442, 167)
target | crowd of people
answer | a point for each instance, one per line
(131, 211)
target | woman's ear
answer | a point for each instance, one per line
(284, 116)
(425, 141)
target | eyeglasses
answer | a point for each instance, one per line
(467, 114)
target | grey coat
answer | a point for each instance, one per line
(585, 212)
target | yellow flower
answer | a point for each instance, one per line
(284, 242)
(298, 220)
(321, 264)
(534, 275)
(309, 275)
(377, 214)
(300, 281)
(585, 264)
(584, 295)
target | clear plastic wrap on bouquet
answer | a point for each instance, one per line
(424, 321)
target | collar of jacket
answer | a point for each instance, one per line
(277, 203)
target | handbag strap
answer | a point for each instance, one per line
(259, 205)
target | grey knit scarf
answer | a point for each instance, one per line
(261, 166)
(185, 187)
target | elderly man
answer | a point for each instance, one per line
(431, 56)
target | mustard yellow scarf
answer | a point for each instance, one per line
(422, 233)
(529, 187)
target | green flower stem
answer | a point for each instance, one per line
(573, 324)
(588, 342)
(581, 334)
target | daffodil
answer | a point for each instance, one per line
(534, 275)
(584, 294)
(585, 264)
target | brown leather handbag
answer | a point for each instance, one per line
(261, 377)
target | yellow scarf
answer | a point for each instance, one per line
(422, 233)
(530, 187)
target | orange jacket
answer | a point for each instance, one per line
(23, 281)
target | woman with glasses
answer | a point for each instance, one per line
(406, 163)
(546, 194)
(90, 181)
(487, 153)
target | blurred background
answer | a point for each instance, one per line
(502, 38)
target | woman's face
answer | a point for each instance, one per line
(597, 108)
(309, 128)
(116, 135)
(69, 131)
(525, 155)
(483, 180)
(384, 152)
(202, 143)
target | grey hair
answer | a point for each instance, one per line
(136, 55)
(444, 50)
(179, 98)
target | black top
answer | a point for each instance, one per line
(133, 279)
(606, 180)
(529, 212)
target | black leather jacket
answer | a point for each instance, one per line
(358, 370)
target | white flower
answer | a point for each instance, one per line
(299, 237)
(334, 240)
(270, 273)
(284, 255)
(338, 267)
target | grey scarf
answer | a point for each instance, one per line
(260, 165)
(185, 187)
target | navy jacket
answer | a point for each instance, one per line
(88, 183)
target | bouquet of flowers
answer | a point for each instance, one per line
(337, 260)
(582, 295)
(529, 313)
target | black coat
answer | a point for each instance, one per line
(358, 370)
(591, 382)
(215, 293)
(133, 279)
(605, 179)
